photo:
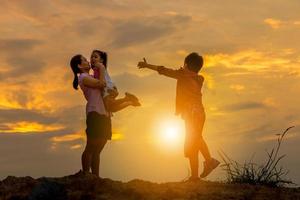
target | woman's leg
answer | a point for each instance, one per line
(100, 143)
(86, 157)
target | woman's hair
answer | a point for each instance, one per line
(102, 55)
(75, 61)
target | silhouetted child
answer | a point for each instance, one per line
(189, 106)
(110, 92)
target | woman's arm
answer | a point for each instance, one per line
(93, 83)
(100, 68)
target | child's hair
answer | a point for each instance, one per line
(194, 62)
(102, 55)
(75, 61)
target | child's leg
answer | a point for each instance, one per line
(115, 105)
(194, 142)
(204, 149)
(191, 150)
(198, 128)
(194, 165)
(210, 163)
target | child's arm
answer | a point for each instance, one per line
(161, 69)
(100, 72)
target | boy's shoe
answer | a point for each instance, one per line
(80, 174)
(209, 166)
(133, 98)
(193, 179)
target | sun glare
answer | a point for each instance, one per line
(170, 133)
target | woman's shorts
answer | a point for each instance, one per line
(98, 126)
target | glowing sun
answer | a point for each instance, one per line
(170, 133)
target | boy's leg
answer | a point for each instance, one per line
(191, 151)
(204, 149)
(197, 123)
(194, 165)
(210, 163)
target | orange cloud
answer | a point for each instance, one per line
(251, 59)
(76, 146)
(274, 23)
(67, 138)
(29, 127)
(76, 136)
(6, 103)
(274, 137)
(237, 87)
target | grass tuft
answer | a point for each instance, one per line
(268, 173)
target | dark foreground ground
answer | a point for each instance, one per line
(88, 187)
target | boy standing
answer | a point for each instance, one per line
(189, 106)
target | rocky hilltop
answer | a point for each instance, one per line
(89, 187)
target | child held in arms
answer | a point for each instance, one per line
(110, 92)
(189, 106)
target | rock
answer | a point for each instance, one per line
(48, 189)
(82, 186)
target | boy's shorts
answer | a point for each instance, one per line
(194, 122)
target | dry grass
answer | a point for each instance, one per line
(268, 173)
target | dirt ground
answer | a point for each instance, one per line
(87, 187)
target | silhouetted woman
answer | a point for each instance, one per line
(98, 122)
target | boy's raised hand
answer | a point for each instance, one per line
(142, 64)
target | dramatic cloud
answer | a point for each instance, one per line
(251, 70)
(143, 30)
(15, 115)
(19, 55)
(245, 106)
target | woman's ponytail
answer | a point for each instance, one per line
(75, 61)
(75, 82)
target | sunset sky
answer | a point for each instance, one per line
(251, 67)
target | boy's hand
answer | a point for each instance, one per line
(143, 64)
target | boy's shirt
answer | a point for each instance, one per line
(188, 89)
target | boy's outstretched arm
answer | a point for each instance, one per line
(160, 69)
(144, 64)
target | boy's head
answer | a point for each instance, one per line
(193, 62)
